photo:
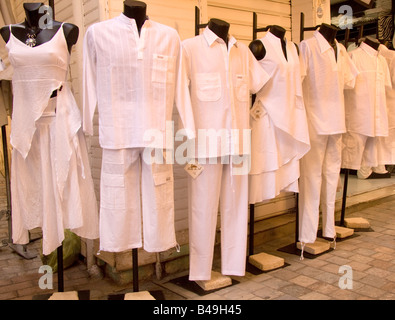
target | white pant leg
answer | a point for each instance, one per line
(204, 192)
(158, 206)
(330, 177)
(310, 187)
(234, 222)
(120, 208)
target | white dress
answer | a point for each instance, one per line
(51, 183)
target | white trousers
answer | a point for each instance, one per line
(216, 187)
(319, 176)
(125, 177)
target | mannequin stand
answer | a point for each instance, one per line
(217, 281)
(357, 223)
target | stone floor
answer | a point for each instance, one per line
(369, 255)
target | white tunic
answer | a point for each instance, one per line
(280, 137)
(325, 78)
(389, 55)
(366, 106)
(135, 80)
(221, 81)
(51, 182)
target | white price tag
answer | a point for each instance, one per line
(257, 111)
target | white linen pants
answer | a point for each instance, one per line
(319, 176)
(125, 177)
(216, 185)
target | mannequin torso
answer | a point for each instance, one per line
(329, 33)
(136, 10)
(220, 28)
(258, 49)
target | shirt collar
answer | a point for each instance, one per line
(368, 49)
(322, 42)
(131, 21)
(211, 37)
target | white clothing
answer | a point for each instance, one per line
(319, 176)
(280, 136)
(217, 188)
(366, 107)
(221, 81)
(325, 77)
(121, 215)
(51, 182)
(134, 80)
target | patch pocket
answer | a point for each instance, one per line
(163, 74)
(112, 194)
(242, 92)
(208, 86)
(164, 185)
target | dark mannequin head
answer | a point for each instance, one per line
(32, 13)
(220, 28)
(136, 10)
(372, 43)
(278, 31)
(329, 32)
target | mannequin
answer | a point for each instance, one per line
(372, 43)
(220, 28)
(258, 49)
(41, 36)
(329, 33)
(31, 25)
(136, 10)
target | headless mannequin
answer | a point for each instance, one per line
(258, 49)
(220, 28)
(32, 20)
(329, 33)
(136, 10)
(372, 43)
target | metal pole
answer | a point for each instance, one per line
(343, 213)
(301, 37)
(60, 269)
(135, 271)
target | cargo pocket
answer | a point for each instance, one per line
(164, 185)
(112, 194)
(242, 92)
(208, 86)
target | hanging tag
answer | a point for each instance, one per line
(257, 112)
(194, 169)
(2, 65)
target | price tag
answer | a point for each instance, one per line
(194, 169)
(257, 111)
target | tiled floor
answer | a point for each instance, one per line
(369, 255)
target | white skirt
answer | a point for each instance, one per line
(35, 197)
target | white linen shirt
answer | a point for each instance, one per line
(389, 55)
(221, 80)
(324, 79)
(366, 107)
(134, 80)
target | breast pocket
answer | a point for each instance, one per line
(208, 86)
(241, 88)
(163, 75)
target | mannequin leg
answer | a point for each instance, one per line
(234, 222)
(204, 192)
(330, 178)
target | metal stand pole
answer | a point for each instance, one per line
(135, 271)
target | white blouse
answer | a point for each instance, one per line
(221, 81)
(325, 78)
(366, 106)
(134, 80)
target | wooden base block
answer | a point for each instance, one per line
(217, 281)
(266, 262)
(143, 295)
(342, 232)
(319, 246)
(357, 223)
(71, 295)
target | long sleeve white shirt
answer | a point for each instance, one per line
(134, 81)
(325, 78)
(389, 55)
(366, 107)
(221, 81)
